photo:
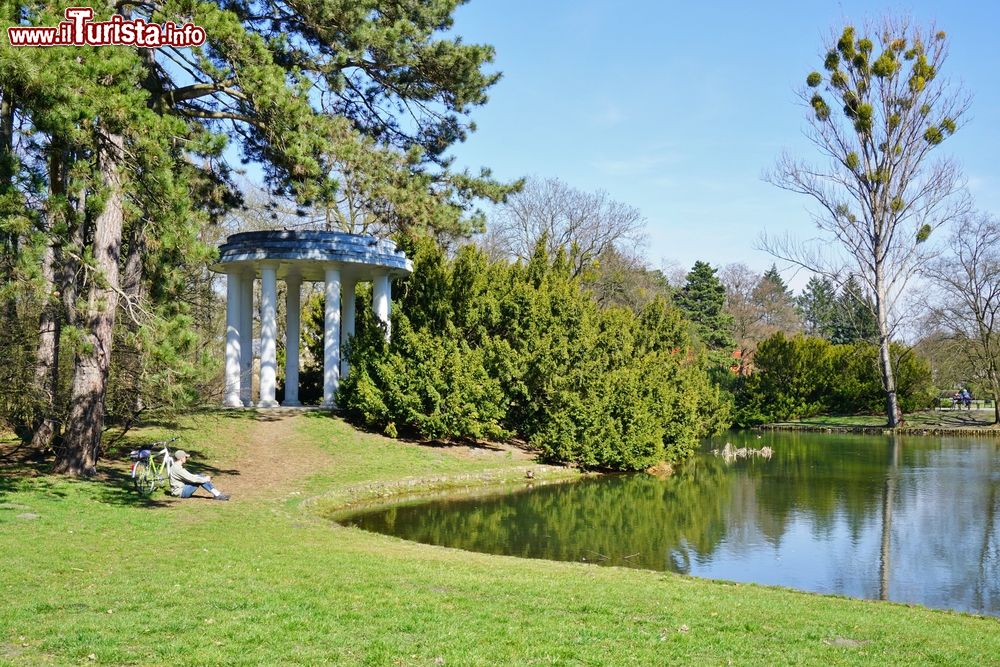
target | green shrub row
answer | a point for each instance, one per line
(489, 349)
(804, 376)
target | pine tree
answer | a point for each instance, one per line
(854, 315)
(702, 299)
(817, 307)
(775, 302)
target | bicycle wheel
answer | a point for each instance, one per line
(145, 478)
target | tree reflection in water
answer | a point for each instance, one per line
(902, 518)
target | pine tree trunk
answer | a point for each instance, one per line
(47, 359)
(7, 182)
(132, 287)
(49, 322)
(81, 445)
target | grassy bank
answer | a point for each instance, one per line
(91, 575)
(956, 421)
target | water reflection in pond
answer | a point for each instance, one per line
(899, 518)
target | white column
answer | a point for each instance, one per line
(331, 339)
(246, 339)
(292, 305)
(382, 301)
(268, 336)
(232, 397)
(347, 326)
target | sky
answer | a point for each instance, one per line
(678, 108)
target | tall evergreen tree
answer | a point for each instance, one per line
(817, 306)
(773, 276)
(854, 315)
(702, 300)
(775, 302)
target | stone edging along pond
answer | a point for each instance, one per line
(989, 432)
(341, 502)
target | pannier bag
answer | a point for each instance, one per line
(138, 455)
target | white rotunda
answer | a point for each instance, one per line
(340, 261)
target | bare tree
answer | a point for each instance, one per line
(759, 306)
(775, 301)
(748, 320)
(968, 296)
(621, 278)
(582, 223)
(947, 357)
(879, 193)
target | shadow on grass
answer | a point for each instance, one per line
(941, 419)
(21, 465)
(983, 419)
(22, 469)
(37, 485)
(116, 488)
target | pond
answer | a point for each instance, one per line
(910, 519)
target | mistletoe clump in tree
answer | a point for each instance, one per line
(878, 111)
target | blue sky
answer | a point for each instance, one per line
(678, 108)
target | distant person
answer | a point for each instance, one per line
(183, 483)
(966, 398)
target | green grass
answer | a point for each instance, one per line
(91, 575)
(929, 419)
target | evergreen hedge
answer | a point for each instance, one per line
(805, 376)
(483, 349)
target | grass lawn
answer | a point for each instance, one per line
(927, 419)
(92, 575)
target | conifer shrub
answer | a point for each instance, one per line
(483, 349)
(804, 376)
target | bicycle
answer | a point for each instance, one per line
(146, 475)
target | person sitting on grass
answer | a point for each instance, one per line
(184, 483)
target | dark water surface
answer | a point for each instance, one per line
(911, 519)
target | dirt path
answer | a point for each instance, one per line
(274, 459)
